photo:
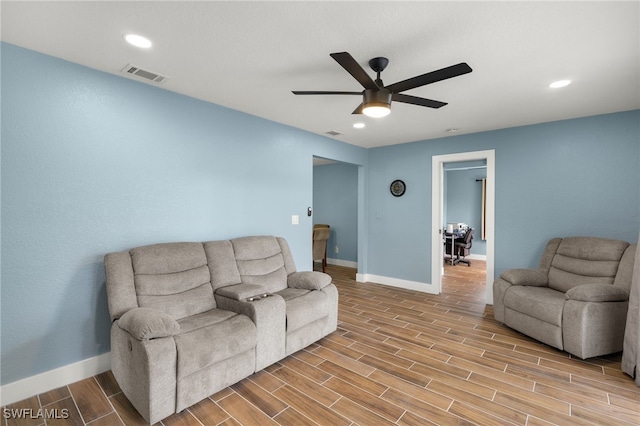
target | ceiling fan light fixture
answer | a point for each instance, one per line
(377, 103)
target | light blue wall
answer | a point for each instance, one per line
(94, 163)
(463, 201)
(573, 177)
(335, 202)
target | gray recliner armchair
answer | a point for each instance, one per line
(576, 300)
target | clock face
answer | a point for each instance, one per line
(397, 188)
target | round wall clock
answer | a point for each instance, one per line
(397, 188)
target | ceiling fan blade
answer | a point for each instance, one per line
(414, 100)
(348, 63)
(312, 92)
(358, 110)
(430, 77)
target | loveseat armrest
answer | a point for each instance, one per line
(146, 323)
(241, 291)
(308, 280)
(597, 293)
(530, 277)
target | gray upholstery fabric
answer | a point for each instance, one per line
(222, 263)
(542, 303)
(310, 280)
(121, 291)
(187, 322)
(146, 373)
(593, 329)
(585, 260)
(575, 301)
(241, 291)
(269, 315)
(229, 337)
(289, 264)
(305, 309)
(145, 324)
(530, 277)
(631, 342)
(597, 293)
(173, 278)
(213, 378)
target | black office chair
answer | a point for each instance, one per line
(463, 248)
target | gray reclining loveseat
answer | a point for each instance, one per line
(576, 300)
(190, 319)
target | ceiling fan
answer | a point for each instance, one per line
(376, 96)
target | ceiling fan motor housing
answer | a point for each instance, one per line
(379, 97)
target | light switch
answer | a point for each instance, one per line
(295, 219)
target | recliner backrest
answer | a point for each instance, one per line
(173, 278)
(584, 260)
(261, 260)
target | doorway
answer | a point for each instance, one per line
(464, 273)
(336, 202)
(437, 204)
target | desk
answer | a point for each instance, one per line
(452, 236)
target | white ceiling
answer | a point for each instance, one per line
(249, 56)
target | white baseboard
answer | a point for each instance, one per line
(396, 282)
(340, 262)
(477, 257)
(52, 379)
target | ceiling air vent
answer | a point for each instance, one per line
(333, 133)
(144, 74)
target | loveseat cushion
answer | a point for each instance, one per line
(542, 303)
(260, 261)
(173, 278)
(212, 337)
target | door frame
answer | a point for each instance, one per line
(437, 213)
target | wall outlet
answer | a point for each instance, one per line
(336, 249)
(295, 219)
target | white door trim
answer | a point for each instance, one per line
(437, 212)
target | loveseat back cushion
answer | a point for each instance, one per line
(260, 261)
(585, 260)
(173, 278)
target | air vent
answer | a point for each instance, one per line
(144, 74)
(333, 133)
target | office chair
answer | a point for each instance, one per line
(321, 235)
(463, 248)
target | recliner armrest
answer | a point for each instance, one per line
(597, 293)
(308, 280)
(241, 291)
(530, 277)
(146, 323)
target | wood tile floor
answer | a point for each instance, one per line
(399, 357)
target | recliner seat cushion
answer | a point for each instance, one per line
(212, 338)
(542, 303)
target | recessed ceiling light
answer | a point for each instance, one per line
(358, 125)
(560, 83)
(138, 40)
